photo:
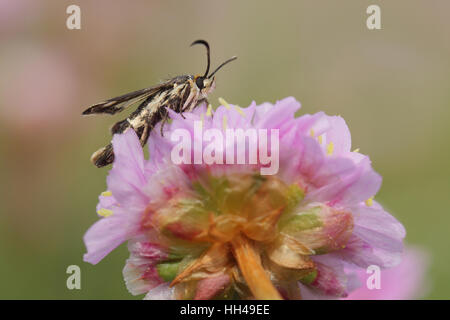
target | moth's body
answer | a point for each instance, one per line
(181, 94)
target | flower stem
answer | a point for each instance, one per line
(254, 274)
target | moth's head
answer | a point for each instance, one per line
(205, 85)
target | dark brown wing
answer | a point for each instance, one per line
(117, 104)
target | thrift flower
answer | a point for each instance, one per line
(225, 231)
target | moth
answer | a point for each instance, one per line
(181, 94)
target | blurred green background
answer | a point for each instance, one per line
(391, 86)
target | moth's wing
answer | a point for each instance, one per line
(117, 104)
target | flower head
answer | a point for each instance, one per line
(220, 230)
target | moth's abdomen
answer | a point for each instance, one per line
(120, 127)
(104, 156)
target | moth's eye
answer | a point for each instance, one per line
(199, 82)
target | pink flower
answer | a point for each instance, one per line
(225, 230)
(22, 68)
(405, 281)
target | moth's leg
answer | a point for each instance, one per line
(180, 112)
(145, 133)
(199, 102)
(162, 126)
(164, 117)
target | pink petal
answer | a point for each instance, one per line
(355, 186)
(331, 279)
(127, 177)
(283, 111)
(140, 272)
(161, 292)
(108, 233)
(405, 281)
(208, 288)
(339, 135)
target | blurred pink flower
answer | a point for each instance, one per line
(38, 88)
(17, 14)
(215, 229)
(403, 282)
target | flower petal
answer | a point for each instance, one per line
(277, 116)
(209, 287)
(127, 177)
(329, 279)
(108, 233)
(161, 292)
(377, 238)
(140, 272)
(405, 281)
(351, 188)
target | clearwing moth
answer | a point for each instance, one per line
(181, 94)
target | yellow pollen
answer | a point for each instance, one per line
(330, 148)
(356, 150)
(202, 119)
(105, 212)
(209, 111)
(319, 138)
(224, 122)
(106, 193)
(239, 110)
(369, 202)
(224, 103)
(311, 133)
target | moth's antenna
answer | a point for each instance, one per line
(229, 60)
(203, 42)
